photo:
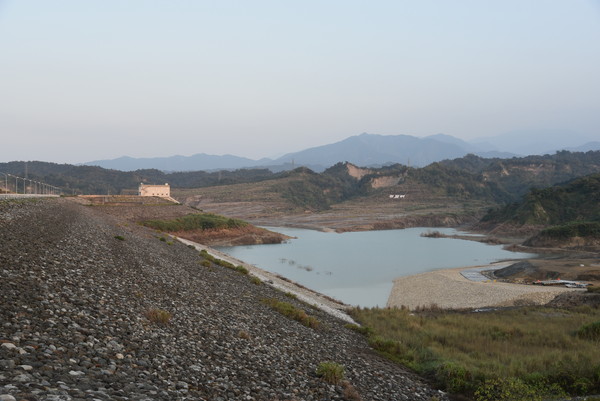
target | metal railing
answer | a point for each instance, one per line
(26, 187)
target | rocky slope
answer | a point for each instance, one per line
(75, 289)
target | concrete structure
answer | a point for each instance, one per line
(155, 190)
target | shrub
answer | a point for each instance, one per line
(433, 234)
(331, 372)
(255, 280)
(205, 263)
(158, 316)
(456, 377)
(163, 239)
(590, 331)
(120, 237)
(506, 389)
(595, 290)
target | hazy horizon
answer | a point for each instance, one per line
(83, 81)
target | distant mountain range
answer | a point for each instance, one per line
(370, 150)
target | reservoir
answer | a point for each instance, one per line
(358, 268)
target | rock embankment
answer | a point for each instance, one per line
(75, 292)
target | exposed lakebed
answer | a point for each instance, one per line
(358, 268)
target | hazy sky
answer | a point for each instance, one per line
(98, 79)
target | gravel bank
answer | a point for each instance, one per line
(449, 289)
(74, 289)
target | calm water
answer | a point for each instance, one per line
(358, 268)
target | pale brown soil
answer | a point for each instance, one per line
(448, 289)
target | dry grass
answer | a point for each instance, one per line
(292, 312)
(529, 347)
(350, 393)
(158, 316)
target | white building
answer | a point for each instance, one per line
(155, 190)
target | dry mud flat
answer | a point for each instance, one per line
(75, 286)
(448, 289)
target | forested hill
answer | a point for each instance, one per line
(470, 177)
(578, 200)
(97, 180)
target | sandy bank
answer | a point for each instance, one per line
(449, 289)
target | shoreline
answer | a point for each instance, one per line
(304, 294)
(446, 288)
(450, 289)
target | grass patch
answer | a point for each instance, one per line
(292, 312)
(331, 372)
(255, 280)
(364, 330)
(243, 334)
(120, 237)
(241, 269)
(158, 316)
(195, 221)
(510, 353)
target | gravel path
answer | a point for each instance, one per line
(75, 286)
(450, 289)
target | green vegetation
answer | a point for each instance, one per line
(223, 263)
(364, 330)
(576, 201)
(570, 230)
(158, 316)
(241, 269)
(97, 180)
(120, 237)
(195, 221)
(255, 280)
(590, 331)
(331, 372)
(467, 178)
(292, 312)
(501, 355)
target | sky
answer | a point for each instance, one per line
(99, 79)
